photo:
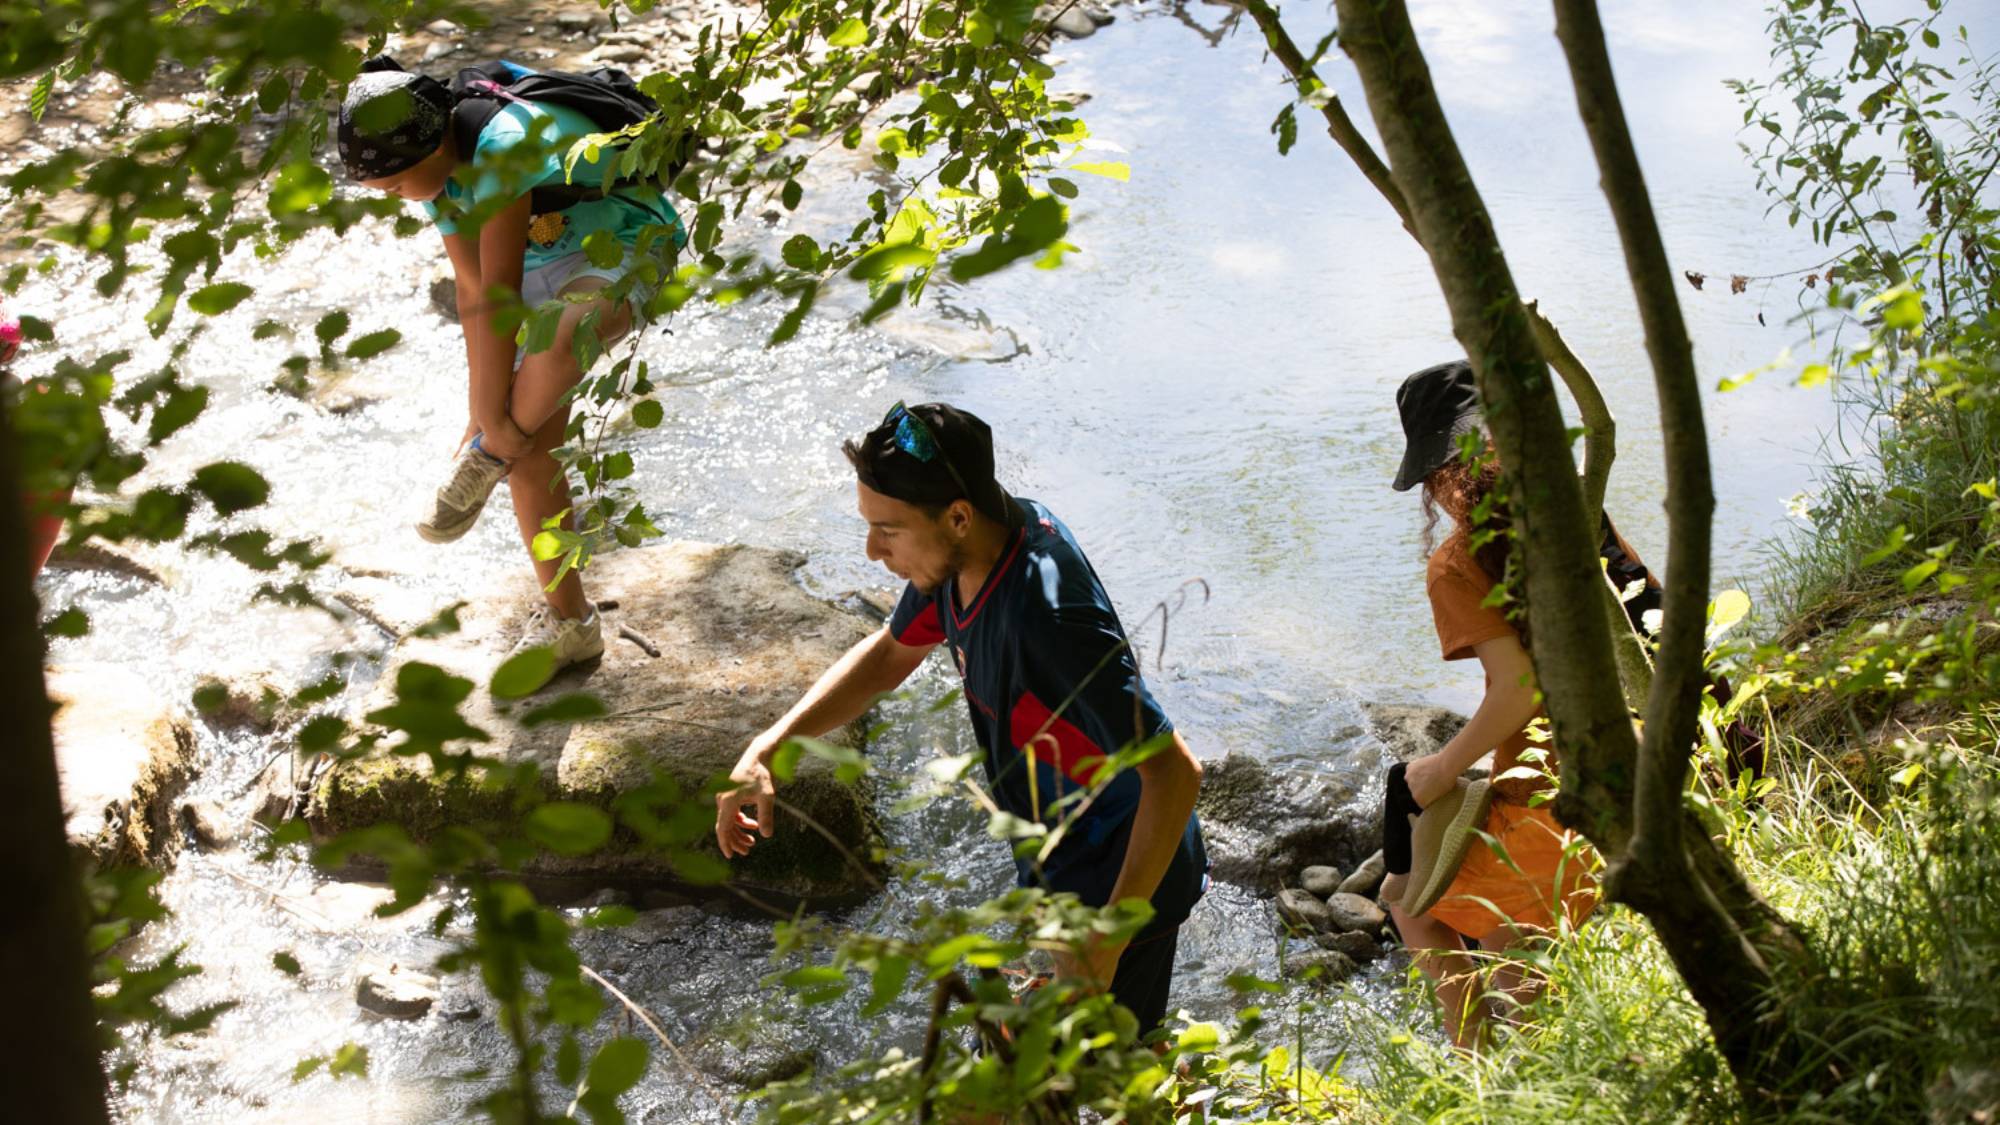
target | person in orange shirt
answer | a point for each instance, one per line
(1493, 902)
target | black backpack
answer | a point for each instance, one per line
(607, 96)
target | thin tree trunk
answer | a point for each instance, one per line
(1572, 627)
(49, 1047)
(1717, 950)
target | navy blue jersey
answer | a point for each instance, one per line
(1052, 688)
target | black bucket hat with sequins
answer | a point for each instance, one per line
(390, 120)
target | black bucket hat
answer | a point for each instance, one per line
(1439, 405)
(934, 453)
(391, 120)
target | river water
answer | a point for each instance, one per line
(1205, 391)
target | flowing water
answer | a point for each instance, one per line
(1205, 390)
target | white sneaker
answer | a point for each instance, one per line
(573, 642)
(459, 502)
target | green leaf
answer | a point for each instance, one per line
(801, 252)
(306, 1067)
(648, 414)
(817, 984)
(331, 327)
(286, 963)
(1729, 607)
(568, 827)
(523, 673)
(300, 186)
(1903, 309)
(38, 98)
(71, 622)
(572, 708)
(1062, 187)
(851, 33)
(350, 1061)
(791, 195)
(1914, 577)
(603, 249)
(617, 466)
(883, 261)
(231, 486)
(617, 1067)
(609, 917)
(273, 94)
(885, 985)
(210, 300)
(182, 405)
(1111, 169)
(373, 344)
(1814, 374)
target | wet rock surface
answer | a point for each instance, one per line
(738, 643)
(396, 992)
(124, 755)
(1412, 730)
(1264, 821)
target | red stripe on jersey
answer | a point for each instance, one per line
(923, 629)
(1036, 730)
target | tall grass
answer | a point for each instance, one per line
(1901, 898)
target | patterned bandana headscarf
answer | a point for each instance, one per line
(391, 121)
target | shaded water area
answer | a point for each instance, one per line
(1205, 390)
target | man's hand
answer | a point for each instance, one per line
(735, 831)
(1094, 961)
(505, 440)
(1429, 778)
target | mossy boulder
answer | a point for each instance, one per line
(738, 642)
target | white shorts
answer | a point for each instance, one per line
(546, 283)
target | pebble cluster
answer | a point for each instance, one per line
(1340, 915)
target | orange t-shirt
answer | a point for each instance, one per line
(1487, 888)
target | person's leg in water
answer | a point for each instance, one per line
(1439, 952)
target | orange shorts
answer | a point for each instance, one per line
(1488, 891)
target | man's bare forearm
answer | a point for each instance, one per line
(845, 691)
(1168, 785)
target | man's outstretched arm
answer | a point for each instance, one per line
(843, 692)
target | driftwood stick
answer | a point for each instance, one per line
(636, 637)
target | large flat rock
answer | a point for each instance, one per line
(123, 754)
(738, 643)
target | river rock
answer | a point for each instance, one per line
(1303, 911)
(619, 53)
(768, 1052)
(1354, 912)
(396, 992)
(253, 702)
(1261, 822)
(124, 754)
(1320, 880)
(209, 825)
(1355, 946)
(1075, 24)
(1412, 730)
(1333, 966)
(738, 643)
(1366, 877)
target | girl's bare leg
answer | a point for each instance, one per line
(1439, 952)
(541, 490)
(545, 377)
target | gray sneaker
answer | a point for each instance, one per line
(573, 642)
(458, 503)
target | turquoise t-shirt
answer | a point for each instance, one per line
(521, 148)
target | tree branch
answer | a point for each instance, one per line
(1674, 704)
(1339, 126)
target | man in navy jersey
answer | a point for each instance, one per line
(1050, 682)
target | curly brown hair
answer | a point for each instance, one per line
(1465, 491)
